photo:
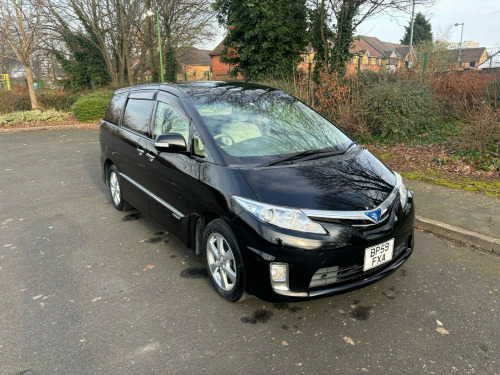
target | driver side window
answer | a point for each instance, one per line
(169, 120)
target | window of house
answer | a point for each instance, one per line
(137, 114)
(472, 64)
(169, 120)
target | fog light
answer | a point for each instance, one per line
(279, 276)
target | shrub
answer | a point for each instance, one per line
(459, 91)
(14, 100)
(493, 92)
(25, 117)
(481, 132)
(92, 106)
(398, 109)
(57, 99)
(339, 102)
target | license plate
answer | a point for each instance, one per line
(378, 254)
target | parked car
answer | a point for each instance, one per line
(280, 203)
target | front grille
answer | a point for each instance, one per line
(353, 222)
(338, 274)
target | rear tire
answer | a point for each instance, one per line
(223, 261)
(115, 190)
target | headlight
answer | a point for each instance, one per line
(403, 191)
(283, 217)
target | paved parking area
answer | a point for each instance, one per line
(86, 289)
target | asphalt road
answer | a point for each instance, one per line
(85, 289)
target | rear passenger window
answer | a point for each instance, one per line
(137, 114)
(115, 107)
(168, 120)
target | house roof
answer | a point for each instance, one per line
(361, 45)
(217, 50)
(468, 55)
(194, 56)
(386, 49)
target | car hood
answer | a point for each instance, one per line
(354, 181)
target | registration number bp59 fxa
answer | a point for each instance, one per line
(378, 254)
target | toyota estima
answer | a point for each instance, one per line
(280, 203)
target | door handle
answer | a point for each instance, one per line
(140, 151)
(151, 157)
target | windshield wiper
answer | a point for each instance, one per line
(307, 155)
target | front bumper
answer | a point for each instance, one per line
(342, 248)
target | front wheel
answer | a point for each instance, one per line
(115, 190)
(223, 261)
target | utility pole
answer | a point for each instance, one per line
(411, 34)
(460, 47)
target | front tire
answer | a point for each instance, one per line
(115, 190)
(223, 261)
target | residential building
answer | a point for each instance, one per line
(465, 44)
(195, 64)
(470, 58)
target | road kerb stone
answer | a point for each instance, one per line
(459, 234)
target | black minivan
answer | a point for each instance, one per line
(281, 204)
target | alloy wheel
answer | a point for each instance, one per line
(221, 262)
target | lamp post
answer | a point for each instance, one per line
(460, 47)
(411, 34)
(151, 13)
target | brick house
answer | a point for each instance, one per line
(470, 58)
(220, 70)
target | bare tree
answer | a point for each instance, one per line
(19, 25)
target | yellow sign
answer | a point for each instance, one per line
(5, 78)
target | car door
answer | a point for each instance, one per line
(129, 147)
(173, 177)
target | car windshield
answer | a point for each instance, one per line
(260, 125)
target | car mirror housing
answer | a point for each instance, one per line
(172, 142)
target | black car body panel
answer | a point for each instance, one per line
(183, 191)
(353, 181)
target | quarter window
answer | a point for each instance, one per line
(115, 107)
(169, 120)
(137, 114)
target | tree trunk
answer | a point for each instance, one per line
(31, 87)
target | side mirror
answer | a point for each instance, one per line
(172, 142)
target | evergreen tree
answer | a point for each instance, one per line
(265, 37)
(85, 65)
(170, 65)
(422, 30)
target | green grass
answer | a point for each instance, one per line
(491, 188)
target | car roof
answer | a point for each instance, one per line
(193, 88)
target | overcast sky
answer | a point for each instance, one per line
(481, 20)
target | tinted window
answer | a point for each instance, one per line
(115, 107)
(137, 115)
(169, 120)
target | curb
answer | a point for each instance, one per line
(49, 127)
(458, 234)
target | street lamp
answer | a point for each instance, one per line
(411, 34)
(460, 50)
(151, 13)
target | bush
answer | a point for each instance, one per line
(25, 117)
(14, 100)
(398, 109)
(481, 132)
(57, 99)
(493, 92)
(459, 91)
(92, 106)
(339, 102)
